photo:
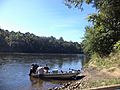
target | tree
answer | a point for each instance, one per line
(30, 43)
(105, 32)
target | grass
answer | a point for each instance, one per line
(103, 82)
(110, 63)
(113, 60)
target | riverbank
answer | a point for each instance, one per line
(99, 72)
(93, 78)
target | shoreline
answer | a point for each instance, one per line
(109, 87)
(27, 53)
(94, 80)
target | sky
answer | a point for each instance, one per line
(44, 18)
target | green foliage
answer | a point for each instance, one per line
(113, 60)
(27, 42)
(105, 31)
(104, 82)
(117, 45)
(88, 40)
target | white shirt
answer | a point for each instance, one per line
(40, 70)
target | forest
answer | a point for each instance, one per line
(30, 43)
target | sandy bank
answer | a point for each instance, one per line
(94, 78)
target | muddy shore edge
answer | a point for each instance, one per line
(92, 79)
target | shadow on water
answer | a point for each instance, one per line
(44, 84)
(35, 82)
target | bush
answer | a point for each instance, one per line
(117, 45)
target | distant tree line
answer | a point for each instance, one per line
(30, 43)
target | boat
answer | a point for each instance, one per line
(56, 75)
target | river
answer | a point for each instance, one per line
(14, 69)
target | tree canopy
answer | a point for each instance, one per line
(30, 43)
(105, 31)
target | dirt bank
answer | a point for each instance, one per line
(93, 78)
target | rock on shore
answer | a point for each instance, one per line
(93, 78)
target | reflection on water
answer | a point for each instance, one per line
(14, 69)
(44, 84)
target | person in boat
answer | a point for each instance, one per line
(36, 66)
(61, 71)
(46, 68)
(33, 69)
(40, 70)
